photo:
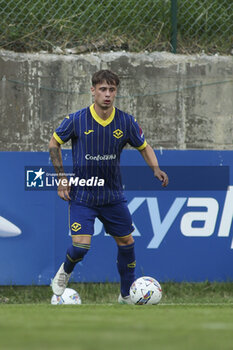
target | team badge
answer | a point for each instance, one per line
(117, 133)
(76, 226)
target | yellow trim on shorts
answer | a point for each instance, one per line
(123, 236)
(57, 138)
(140, 148)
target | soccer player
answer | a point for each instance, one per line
(98, 134)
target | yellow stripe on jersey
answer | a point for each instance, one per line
(142, 146)
(57, 138)
(100, 120)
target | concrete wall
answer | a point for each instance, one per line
(183, 102)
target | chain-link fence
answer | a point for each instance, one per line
(205, 25)
(103, 25)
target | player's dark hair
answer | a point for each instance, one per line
(105, 75)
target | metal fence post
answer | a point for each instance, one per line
(173, 25)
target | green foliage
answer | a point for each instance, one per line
(102, 293)
(133, 25)
(36, 25)
(206, 25)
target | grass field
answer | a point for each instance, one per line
(98, 327)
(190, 316)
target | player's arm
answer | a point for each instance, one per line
(56, 158)
(151, 159)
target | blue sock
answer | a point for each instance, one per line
(126, 267)
(74, 254)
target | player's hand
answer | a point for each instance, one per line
(63, 189)
(162, 176)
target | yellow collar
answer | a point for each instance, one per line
(100, 120)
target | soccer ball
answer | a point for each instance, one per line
(145, 291)
(69, 297)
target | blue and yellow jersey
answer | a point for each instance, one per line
(96, 148)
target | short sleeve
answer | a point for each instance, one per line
(136, 137)
(65, 131)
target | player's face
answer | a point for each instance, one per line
(104, 95)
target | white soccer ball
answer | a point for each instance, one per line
(145, 291)
(69, 297)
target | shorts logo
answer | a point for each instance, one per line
(76, 226)
(88, 132)
(117, 133)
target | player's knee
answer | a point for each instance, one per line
(127, 240)
(81, 239)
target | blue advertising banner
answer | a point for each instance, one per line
(182, 232)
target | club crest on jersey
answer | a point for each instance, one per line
(76, 226)
(117, 133)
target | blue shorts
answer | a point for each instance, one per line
(116, 219)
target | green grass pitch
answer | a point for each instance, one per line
(114, 327)
(191, 316)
